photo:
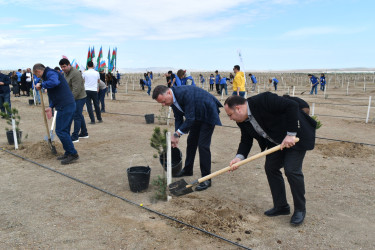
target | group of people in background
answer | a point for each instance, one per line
(315, 82)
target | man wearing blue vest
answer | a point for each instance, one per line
(217, 81)
(175, 81)
(314, 84)
(61, 98)
(254, 81)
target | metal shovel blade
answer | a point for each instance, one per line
(53, 148)
(179, 188)
(52, 137)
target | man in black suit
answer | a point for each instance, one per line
(273, 120)
(201, 112)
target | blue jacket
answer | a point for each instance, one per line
(314, 80)
(212, 79)
(6, 80)
(57, 88)
(224, 80)
(217, 78)
(197, 105)
(19, 74)
(275, 80)
(184, 80)
(322, 80)
(253, 79)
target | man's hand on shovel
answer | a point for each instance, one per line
(234, 167)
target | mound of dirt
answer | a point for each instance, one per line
(344, 149)
(39, 150)
(214, 215)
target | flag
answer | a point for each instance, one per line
(92, 52)
(88, 57)
(102, 65)
(75, 64)
(113, 59)
(100, 56)
(109, 60)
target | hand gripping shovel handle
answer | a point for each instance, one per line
(53, 149)
(254, 157)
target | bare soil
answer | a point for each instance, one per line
(44, 209)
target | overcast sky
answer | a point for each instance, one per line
(191, 34)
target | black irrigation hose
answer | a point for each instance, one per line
(124, 199)
(362, 143)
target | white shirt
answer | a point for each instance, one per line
(28, 77)
(91, 78)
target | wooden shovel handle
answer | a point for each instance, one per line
(254, 157)
(44, 114)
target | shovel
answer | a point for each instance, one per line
(181, 187)
(53, 149)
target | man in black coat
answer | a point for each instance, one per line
(273, 120)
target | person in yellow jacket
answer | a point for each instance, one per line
(238, 82)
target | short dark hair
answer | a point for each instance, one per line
(216, 71)
(64, 61)
(170, 72)
(39, 66)
(159, 90)
(57, 68)
(234, 100)
(309, 75)
(237, 67)
(90, 64)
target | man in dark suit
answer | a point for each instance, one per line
(201, 112)
(273, 120)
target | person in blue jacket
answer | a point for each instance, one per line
(175, 81)
(217, 81)
(224, 85)
(148, 82)
(274, 81)
(37, 95)
(62, 99)
(202, 80)
(196, 113)
(185, 80)
(254, 81)
(322, 82)
(314, 84)
(4, 91)
(212, 81)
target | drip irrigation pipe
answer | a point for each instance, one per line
(126, 200)
(362, 143)
(364, 118)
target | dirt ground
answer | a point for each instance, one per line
(43, 209)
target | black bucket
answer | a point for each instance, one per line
(139, 178)
(11, 139)
(31, 101)
(176, 161)
(149, 118)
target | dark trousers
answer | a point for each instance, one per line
(64, 120)
(79, 120)
(211, 87)
(101, 97)
(199, 137)
(93, 95)
(4, 97)
(292, 161)
(217, 88)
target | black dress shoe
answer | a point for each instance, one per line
(276, 211)
(298, 217)
(203, 186)
(183, 173)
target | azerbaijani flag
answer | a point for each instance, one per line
(113, 59)
(109, 60)
(92, 52)
(88, 57)
(100, 56)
